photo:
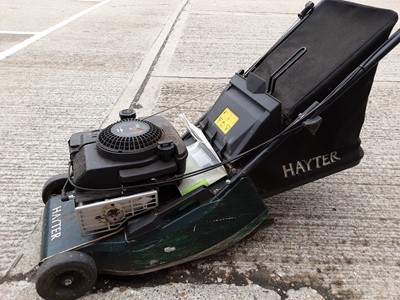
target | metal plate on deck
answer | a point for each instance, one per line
(110, 214)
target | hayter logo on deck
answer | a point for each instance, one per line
(304, 166)
(55, 223)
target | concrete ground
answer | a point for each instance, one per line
(69, 65)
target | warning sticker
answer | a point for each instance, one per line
(226, 120)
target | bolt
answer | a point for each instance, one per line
(68, 281)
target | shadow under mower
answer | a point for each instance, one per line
(138, 197)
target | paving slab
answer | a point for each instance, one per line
(230, 42)
(336, 238)
(37, 15)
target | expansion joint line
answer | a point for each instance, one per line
(139, 93)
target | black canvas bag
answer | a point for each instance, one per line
(330, 43)
(337, 37)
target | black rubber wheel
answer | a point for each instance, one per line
(66, 276)
(53, 186)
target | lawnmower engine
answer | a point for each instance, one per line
(108, 163)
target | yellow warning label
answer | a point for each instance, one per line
(226, 120)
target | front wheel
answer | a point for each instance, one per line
(66, 276)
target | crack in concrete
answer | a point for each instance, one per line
(28, 276)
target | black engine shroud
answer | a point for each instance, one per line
(126, 152)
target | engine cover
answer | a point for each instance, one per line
(127, 152)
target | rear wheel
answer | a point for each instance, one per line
(53, 186)
(66, 276)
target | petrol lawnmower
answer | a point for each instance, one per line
(138, 197)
